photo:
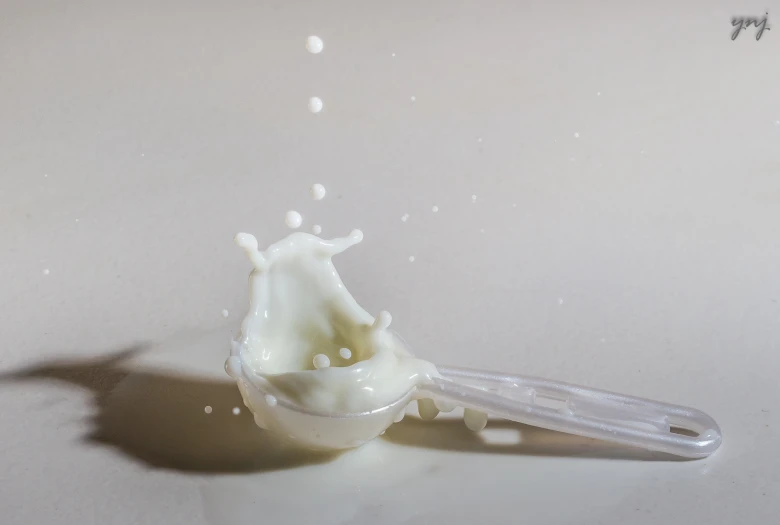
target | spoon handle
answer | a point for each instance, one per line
(579, 410)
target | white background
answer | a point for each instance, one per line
(136, 138)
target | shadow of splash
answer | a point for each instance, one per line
(158, 418)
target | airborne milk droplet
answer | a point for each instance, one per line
(321, 361)
(314, 44)
(318, 192)
(293, 219)
(315, 104)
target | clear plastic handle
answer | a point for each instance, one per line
(579, 410)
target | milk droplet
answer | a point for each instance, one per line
(321, 361)
(270, 400)
(318, 192)
(445, 406)
(411, 258)
(482, 230)
(479, 139)
(207, 409)
(404, 217)
(293, 219)
(514, 205)
(413, 98)
(314, 44)
(598, 93)
(315, 104)
(474, 419)
(316, 229)
(225, 313)
(427, 409)
(435, 209)
(236, 411)
(345, 353)
(46, 271)
(576, 135)
(473, 198)
(560, 300)
(393, 55)
(399, 416)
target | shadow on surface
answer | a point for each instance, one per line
(158, 418)
(508, 437)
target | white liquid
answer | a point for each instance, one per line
(413, 98)
(321, 361)
(318, 192)
(345, 353)
(46, 271)
(435, 209)
(474, 419)
(576, 135)
(314, 44)
(315, 104)
(300, 310)
(207, 409)
(236, 411)
(411, 258)
(225, 313)
(427, 409)
(316, 229)
(270, 400)
(293, 219)
(444, 406)
(404, 217)
(473, 198)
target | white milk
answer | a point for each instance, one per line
(301, 317)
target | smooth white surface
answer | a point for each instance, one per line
(667, 260)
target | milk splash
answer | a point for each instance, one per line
(299, 311)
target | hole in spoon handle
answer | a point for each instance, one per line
(580, 410)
